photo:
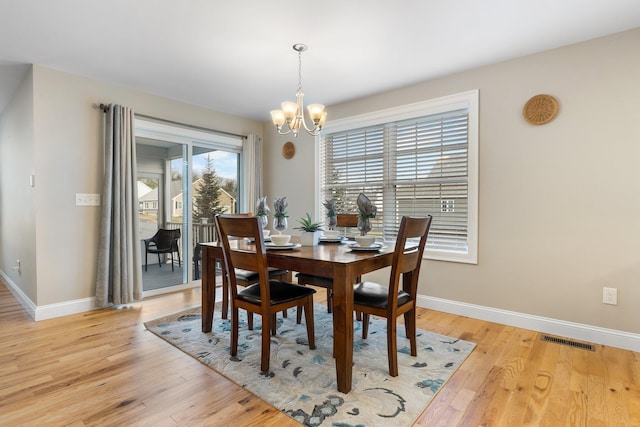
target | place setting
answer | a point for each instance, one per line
(365, 244)
(332, 236)
(281, 242)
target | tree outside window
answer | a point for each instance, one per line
(206, 194)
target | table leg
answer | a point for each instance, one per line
(208, 288)
(343, 327)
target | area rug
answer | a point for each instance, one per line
(301, 382)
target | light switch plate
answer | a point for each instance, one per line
(83, 199)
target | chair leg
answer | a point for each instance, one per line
(172, 267)
(308, 318)
(273, 324)
(250, 320)
(299, 315)
(410, 329)
(225, 292)
(358, 279)
(365, 325)
(159, 263)
(329, 301)
(392, 347)
(179, 262)
(146, 260)
(234, 331)
(266, 344)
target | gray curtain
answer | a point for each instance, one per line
(119, 278)
(252, 158)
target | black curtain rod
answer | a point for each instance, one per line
(105, 108)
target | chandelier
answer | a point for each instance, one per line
(291, 118)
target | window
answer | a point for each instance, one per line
(419, 159)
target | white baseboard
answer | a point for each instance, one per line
(49, 311)
(578, 331)
(65, 308)
(22, 298)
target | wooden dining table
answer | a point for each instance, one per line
(333, 260)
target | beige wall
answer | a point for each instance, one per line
(17, 197)
(294, 178)
(559, 204)
(67, 158)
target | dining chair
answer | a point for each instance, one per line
(343, 221)
(266, 297)
(163, 242)
(245, 278)
(376, 299)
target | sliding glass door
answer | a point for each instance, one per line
(185, 178)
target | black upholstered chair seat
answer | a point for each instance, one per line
(376, 295)
(280, 292)
(252, 276)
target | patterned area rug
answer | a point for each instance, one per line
(302, 382)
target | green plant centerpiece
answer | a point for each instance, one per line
(310, 229)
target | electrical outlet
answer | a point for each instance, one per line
(610, 296)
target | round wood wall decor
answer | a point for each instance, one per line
(288, 150)
(540, 109)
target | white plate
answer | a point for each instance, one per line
(331, 240)
(273, 246)
(251, 239)
(374, 247)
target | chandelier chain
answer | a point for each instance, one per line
(300, 71)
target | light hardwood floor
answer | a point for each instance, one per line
(103, 368)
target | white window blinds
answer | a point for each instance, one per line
(417, 167)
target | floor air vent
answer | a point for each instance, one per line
(563, 341)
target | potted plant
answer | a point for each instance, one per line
(310, 229)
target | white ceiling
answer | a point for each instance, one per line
(236, 56)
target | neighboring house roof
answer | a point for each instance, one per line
(175, 188)
(225, 193)
(143, 189)
(150, 196)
